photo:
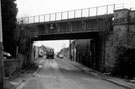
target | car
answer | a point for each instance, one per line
(6, 55)
(60, 56)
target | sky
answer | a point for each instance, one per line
(39, 7)
(56, 44)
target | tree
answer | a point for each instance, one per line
(9, 12)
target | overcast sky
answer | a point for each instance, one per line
(38, 7)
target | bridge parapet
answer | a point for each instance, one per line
(79, 13)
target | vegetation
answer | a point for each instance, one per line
(120, 53)
(9, 12)
(125, 64)
(24, 41)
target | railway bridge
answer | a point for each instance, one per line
(73, 24)
(95, 23)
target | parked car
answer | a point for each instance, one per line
(6, 55)
(60, 56)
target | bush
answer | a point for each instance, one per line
(125, 63)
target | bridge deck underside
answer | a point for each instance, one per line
(85, 35)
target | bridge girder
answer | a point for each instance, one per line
(77, 28)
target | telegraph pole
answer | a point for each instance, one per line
(70, 49)
(1, 53)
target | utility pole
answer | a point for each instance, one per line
(70, 49)
(1, 53)
(63, 47)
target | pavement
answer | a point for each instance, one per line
(118, 81)
(65, 74)
(16, 80)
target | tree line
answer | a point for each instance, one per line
(9, 13)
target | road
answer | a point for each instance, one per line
(60, 74)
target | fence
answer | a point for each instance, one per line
(79, 13)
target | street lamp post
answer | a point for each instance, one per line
(1, 54)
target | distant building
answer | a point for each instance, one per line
(40, 51)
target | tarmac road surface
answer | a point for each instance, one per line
(59, 74)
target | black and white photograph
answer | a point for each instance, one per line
(67, 44)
